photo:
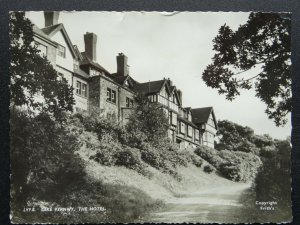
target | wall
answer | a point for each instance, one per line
(66, 62)
(94, 94)
(109, 109)
(51, 50)
(81, 102)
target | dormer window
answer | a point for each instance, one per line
(61, 51)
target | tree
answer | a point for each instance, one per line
(265, 41)
(33, 75)
(43, 160)
(235, 137)
(149, 120)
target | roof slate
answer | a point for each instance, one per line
(81, 73)
(87, 61)
(201, 115)
(149, 87)
(38, 31)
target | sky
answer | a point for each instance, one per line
(171, 45)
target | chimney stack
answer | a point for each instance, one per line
(51, 18)
(179, 92)
(170, 82)
(90, 42)
(122, 67)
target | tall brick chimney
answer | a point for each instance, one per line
(90, 42)
(51, 18)
(122, 67)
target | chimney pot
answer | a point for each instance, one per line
(90, 42)
(51, 18)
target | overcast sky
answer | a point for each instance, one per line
(172, 45)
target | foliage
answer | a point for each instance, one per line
(235, 137)
(148, 119)
(264, 40)
(32, 75)
(273, 182)
(208, 169)
(119, 204)
(43, 160)
(234, 165)
(194, 159)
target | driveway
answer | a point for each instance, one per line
(217, 204)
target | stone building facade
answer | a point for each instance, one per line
(112, 94)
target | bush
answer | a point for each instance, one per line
(234, 165)
(194, 159)
(208, 169)
(130, 158)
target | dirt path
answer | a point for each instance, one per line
(218, 204)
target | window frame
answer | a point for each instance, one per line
(61, 51)
(182, 128)
(80, 89)
(111, 96)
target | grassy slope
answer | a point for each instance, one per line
(160, 186)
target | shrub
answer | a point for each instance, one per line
(234, 165)
(208, 169)
(130, 158)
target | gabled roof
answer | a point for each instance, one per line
(40, 33)
(87, 61)
(52, 30)
(79, 56)
(201, 115)
(149, 87)
(120, 79)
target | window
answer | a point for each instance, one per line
(78, 87)
(84, 90)
(61, 51)
(190, 131)
(182, 128)
(111, 95)
(129, 102)
(173, 118)
(152, 98)
(196, 134)
(81, 89)
(42, 48)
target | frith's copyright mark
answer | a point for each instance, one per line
(266, 206)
